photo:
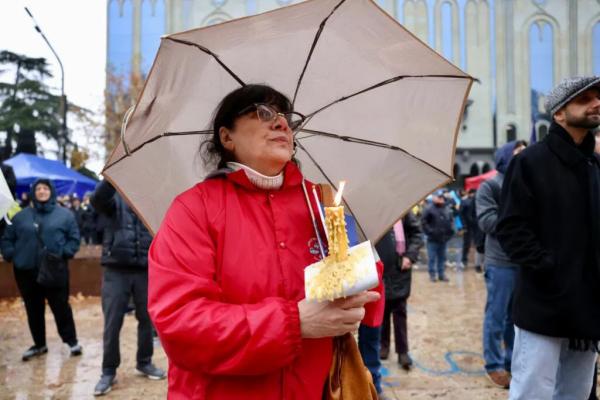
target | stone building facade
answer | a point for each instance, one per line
(517, 49)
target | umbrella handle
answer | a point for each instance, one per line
(124, 126)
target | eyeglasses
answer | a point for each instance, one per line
(266, 113)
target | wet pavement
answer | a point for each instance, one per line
(445, 322)
(56, 375)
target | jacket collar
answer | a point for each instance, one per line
(291, 177)
(562, 144)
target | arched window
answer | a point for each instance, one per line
(153, 27)
(416, 18)
(474, 171)
(120, 39)
(447, 28)
(541, 62)
(596, 49)
(511, 132)
(542, 130)
(215, 18)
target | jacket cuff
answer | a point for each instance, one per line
(292, 327)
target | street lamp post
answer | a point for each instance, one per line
(63, 98)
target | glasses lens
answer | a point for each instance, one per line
(294, 120)
(265, 113)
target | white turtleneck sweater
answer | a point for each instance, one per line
(259, 180)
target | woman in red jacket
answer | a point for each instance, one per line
(226, 279)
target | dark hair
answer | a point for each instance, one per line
(521, 143)
(227, 112)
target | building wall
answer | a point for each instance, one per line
(517, 49)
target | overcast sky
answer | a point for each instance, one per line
(77, 31)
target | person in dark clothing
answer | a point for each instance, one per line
(469, 219)
(437, 225)
(88, 220)
(20, 245)
(24, 201)
(549, 225)
(100, 221)
(77, 211)
(125, 262)
(500, 275)
(398, 259)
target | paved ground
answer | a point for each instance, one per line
(445, 322)
(444, 333)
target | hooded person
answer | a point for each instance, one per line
(43, 224)
(500, 274)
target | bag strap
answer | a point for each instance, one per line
(38, 230)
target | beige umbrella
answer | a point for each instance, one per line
(383, 108)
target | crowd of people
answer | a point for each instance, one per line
(537, 225)
(222, 282)
(40, 240)
(91, 224)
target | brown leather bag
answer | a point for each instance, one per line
(348, 379)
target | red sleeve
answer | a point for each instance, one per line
(374, 311)
(197, 330)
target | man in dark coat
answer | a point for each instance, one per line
(549, 225)
(437, 225)
(125, 262)
(397, 281)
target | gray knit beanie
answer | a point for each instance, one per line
(567, 90)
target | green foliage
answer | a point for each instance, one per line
(27, 101)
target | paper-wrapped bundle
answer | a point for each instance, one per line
(329, 279)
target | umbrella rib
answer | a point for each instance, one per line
(333, 185)
(312, 49)
(210, 53)
(371, 143)
(383, 83)
(166, 134)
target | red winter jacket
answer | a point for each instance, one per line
(226, 271)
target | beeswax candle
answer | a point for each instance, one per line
(335, 223)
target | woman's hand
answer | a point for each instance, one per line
(333, 318)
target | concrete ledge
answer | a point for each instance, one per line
(85, 274)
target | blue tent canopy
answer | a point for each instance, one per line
(28, 168)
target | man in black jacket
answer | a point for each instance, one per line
(549, 225)
(397, 280)
(437, 225)
(125, 262)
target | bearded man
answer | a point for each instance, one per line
(549, 225)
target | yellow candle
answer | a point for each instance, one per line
(336, 233)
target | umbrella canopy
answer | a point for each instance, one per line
(383, 108)
(475, 181)
(28, 168)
